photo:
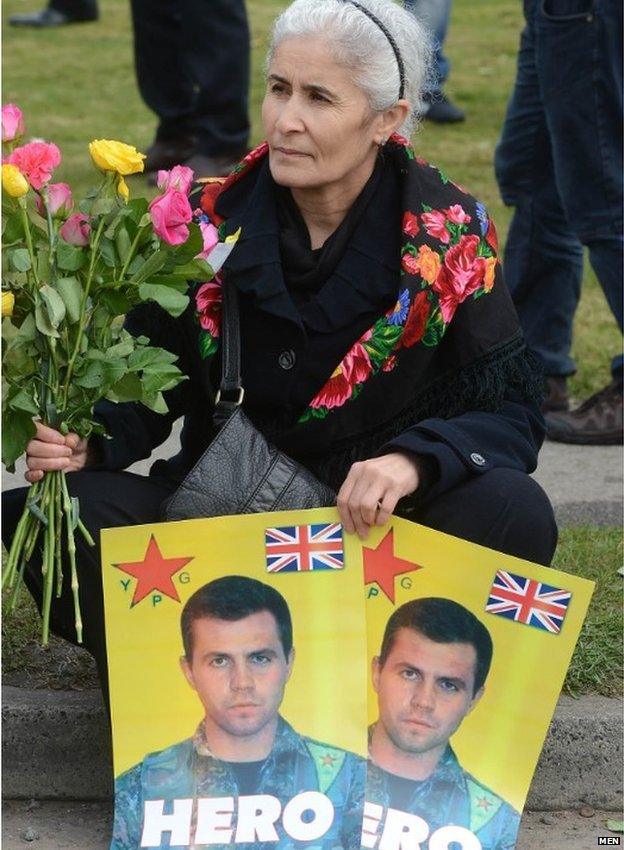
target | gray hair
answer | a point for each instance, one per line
(359, 45)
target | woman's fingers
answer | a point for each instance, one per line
(37, 448)
(372, 489)
(35, 475)
(49, 435)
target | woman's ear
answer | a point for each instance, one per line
(389, 121)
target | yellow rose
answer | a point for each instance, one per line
(428, 263)
(8, 301)
(122, 188)
(13, 182)
(488, 277)
(108, 155)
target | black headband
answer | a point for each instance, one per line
(393, 43)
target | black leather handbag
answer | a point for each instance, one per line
(241, 472)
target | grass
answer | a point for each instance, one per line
(596, 667)
(77, 83)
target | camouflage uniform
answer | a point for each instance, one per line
(450, 795)
(295, 764)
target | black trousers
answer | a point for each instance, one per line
(192, 66)
(502, 509)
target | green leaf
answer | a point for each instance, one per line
(70, 290)
(149, 358)
(115, 302)
(197, 269)
(20, 259)
(107, 252)
(93, 376)
(169, 299)
(155, 402)
(185, 253)
(128, 388)
(208, 344)
(23, 335)
(70, 258)
(18, 429)
(152, 265)
(54, 304)
(103, 206)
(24, 400)
(123, 244)
(121, 349)
(13, 229)
(615, 825)
(42, 320)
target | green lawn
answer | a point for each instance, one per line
(77, 83)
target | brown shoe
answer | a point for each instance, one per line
(597, 422)
(557, 397)
(165, 153)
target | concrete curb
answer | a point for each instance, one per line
(56, 745)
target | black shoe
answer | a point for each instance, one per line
(165, 153)
(441, 110)
(50, 18)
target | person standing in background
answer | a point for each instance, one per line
(559, 163)
(435, 15)
(192, 65)
(57, 13)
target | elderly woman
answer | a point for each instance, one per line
(380, 348)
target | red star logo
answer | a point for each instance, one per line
(328, 760)
(381, 565)
(484, 803)
(154, 573)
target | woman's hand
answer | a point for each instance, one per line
(49, 450)
(372, 488)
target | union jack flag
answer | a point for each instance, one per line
(525, 600)
(302, 548)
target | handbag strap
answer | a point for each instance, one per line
(231, 392)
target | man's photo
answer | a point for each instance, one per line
(244, 776)
(430, 673)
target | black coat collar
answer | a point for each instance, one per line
(366, 277)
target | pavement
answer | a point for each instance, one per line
(69, 758)
(86, 826)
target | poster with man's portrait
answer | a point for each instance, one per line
(277, 683)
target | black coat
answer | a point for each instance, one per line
(288, 353)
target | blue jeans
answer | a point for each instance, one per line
(435, 15)
(559, 163)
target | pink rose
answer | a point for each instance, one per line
(171, 213)
(208, 300)
(354, 368)
(180, 178)
(12, 122)
(435, 224)
(210, 235)
(457, 215)
(59, 199)
(76, 230)
(36, 161)
(460, 276)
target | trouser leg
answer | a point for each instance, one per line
(192, 65)
(543, 260)
(435, 15)
(216, 49)
(502, 509)
(107, 500)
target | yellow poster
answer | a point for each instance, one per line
(257, 662)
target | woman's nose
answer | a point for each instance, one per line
(289, 116)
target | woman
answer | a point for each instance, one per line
(380, 348)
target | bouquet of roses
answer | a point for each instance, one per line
(71, 271)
